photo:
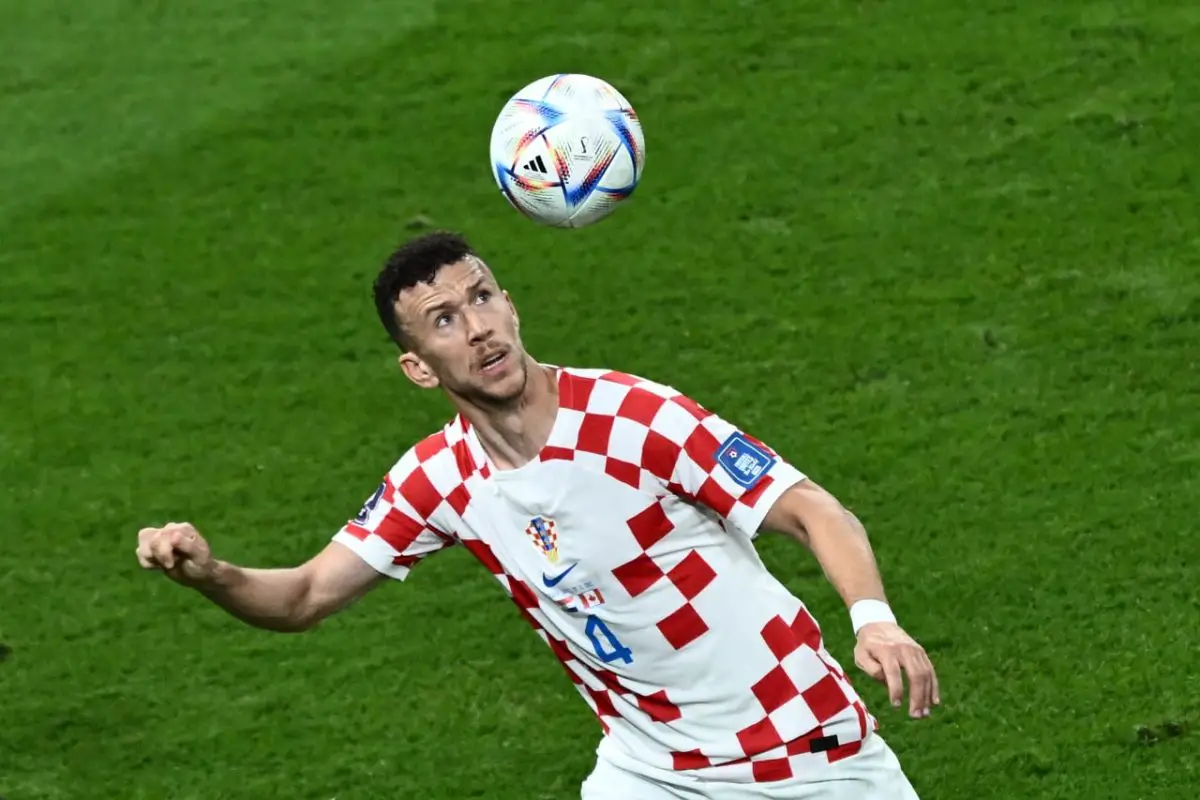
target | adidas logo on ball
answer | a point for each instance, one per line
(537, 165)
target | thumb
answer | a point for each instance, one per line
(869, 664)
(186, 543)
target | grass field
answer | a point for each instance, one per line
(943, 255)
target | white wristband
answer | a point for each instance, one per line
(864, 612)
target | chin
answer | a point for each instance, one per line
(507, 388)
(512, 387)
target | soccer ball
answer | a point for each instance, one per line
(567, 150)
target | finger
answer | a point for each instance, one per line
(895, 683)
(144, 559)
(184, 541)
(919, 688)
(870, 665)
(931, 697)
(937, 689)
(163, 551)
(933, 683)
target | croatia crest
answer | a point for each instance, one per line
(545, 535)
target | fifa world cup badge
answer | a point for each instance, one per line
(545, 535)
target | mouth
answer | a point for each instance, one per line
(493, 362)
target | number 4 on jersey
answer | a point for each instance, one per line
(600, 635)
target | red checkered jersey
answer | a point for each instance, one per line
(628, 545)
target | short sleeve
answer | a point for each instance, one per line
(393, 530)
(710, 461)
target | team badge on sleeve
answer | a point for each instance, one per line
(745, 462)
(544, 534)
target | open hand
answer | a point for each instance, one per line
(883, 651)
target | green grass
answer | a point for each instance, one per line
(943, 256)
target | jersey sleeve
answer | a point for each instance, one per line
(395, 530)
(708, 460)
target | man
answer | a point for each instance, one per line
(619, 515)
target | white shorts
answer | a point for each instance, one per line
(873, 773)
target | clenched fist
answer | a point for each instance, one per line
(179, 551)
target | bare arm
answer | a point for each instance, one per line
(838, 540)
(293, 599)
(816, 519)
(287, 600)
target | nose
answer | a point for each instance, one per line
(479, 327)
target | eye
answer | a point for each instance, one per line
(484, 295)
(440, 320)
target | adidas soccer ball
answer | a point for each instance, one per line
(567, 149)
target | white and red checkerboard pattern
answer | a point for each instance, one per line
(728, 672)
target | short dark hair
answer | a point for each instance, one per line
(416, 261)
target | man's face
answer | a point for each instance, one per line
(463, 333)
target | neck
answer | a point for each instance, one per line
(514, 433)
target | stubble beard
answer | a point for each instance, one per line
(510, 399)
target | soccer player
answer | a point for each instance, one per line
(620, 516)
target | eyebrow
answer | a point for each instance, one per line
(443, 305)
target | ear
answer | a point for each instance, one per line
(417, 371)
(512, 307)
